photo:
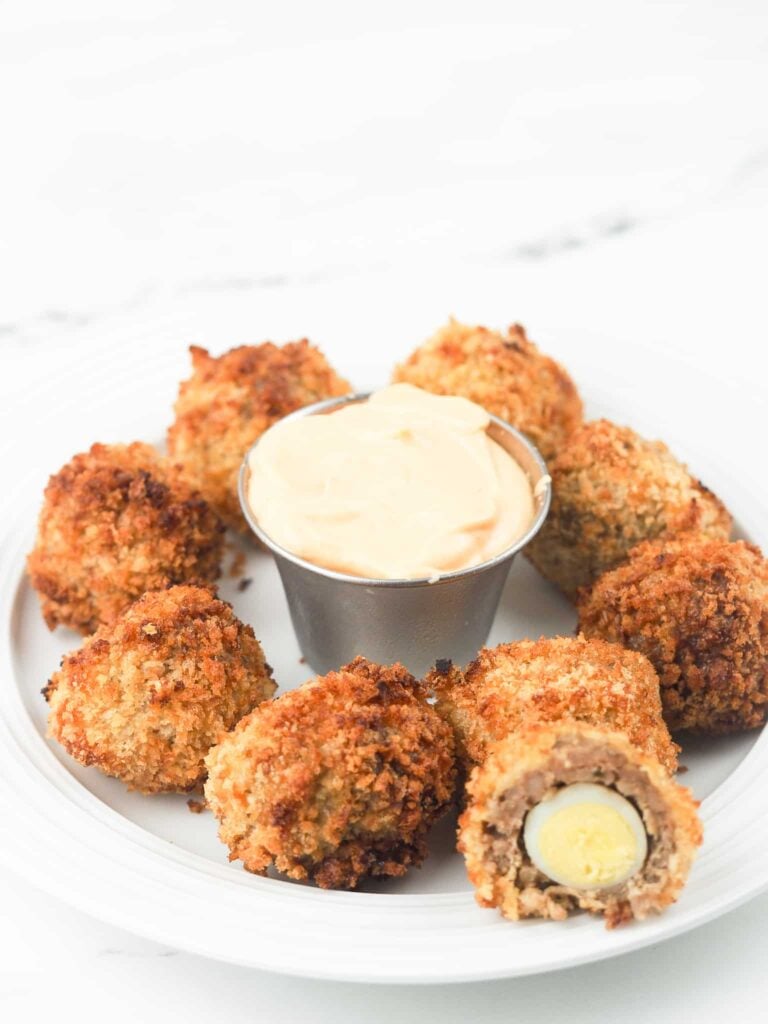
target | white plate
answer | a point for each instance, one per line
(149, 865)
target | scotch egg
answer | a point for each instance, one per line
(565, 816)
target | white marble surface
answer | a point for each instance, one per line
(597, 165)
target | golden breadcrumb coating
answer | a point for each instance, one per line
(548, 680)
(698, 609)
(336, 780)
(612, 489)
(228, 403)
(144, 699)
(506, 374)
(525, 768)
(116, 521)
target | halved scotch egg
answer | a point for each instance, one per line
(566, 816)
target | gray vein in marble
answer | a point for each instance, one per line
(545, 248)
(536, 249)
(138, 953)
(752, 168)
(597, 230)
(244, 282)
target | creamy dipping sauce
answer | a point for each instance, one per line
(402, 486)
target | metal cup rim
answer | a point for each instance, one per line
(422, 581)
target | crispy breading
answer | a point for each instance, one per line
(144, 699)
(505, 373)
(338, 779)
(228, 403)
(548, 680)
(522, 770)
(116, 521)
(698, 609)
(612, 489)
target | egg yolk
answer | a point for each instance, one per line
(588, 846)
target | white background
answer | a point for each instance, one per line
(598, 166)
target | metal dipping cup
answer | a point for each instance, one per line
(416, 622)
